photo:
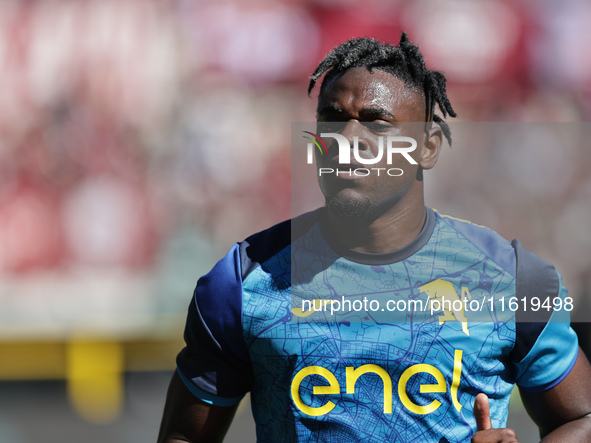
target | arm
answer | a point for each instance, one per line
(188, 419)
(215, 362)
(563, 413)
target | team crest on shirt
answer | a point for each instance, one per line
(444, 297)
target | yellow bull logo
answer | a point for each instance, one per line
(443, 297)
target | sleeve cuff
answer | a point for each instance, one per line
(550, 385)
(206, 396)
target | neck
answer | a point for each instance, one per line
(391, 231)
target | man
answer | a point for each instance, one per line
(359, 376)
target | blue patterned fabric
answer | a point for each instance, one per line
(403, 375)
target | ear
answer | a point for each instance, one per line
(431, 147)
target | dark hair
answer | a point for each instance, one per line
(404, 61)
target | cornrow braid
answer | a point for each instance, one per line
(404, 61)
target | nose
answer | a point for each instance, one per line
(354, 131)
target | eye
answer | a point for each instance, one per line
(330, 127)
(378, 126)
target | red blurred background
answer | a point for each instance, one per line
(140, 139)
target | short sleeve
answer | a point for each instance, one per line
(546, 346)
(215, 365)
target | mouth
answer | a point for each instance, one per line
(347, 172)
(333, 162)
(331, 169)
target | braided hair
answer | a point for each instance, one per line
(404, 61)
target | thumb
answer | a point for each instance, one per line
(482, 413)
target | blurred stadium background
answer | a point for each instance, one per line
(141, 138)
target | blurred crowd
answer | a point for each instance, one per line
(148, 136)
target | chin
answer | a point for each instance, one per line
(349, 208)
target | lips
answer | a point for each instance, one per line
(334, 163)
(344, 172)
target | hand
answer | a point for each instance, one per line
(484, 430)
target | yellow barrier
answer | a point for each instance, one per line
(93, 368)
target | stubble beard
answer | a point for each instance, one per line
(349, 209)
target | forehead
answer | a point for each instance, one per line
(358, 88)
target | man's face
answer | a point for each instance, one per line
(369, 105)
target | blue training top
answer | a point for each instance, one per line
(341, 346)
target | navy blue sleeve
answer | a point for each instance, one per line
(215, 364)
(546, 347)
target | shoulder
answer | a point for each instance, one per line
(224, 281)
(532, 273)
(535, 276)
(218, 297)
(262, 246)
(488, 242)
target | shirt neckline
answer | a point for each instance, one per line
(386, 258)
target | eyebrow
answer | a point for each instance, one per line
(375, 113)
(365, 114)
